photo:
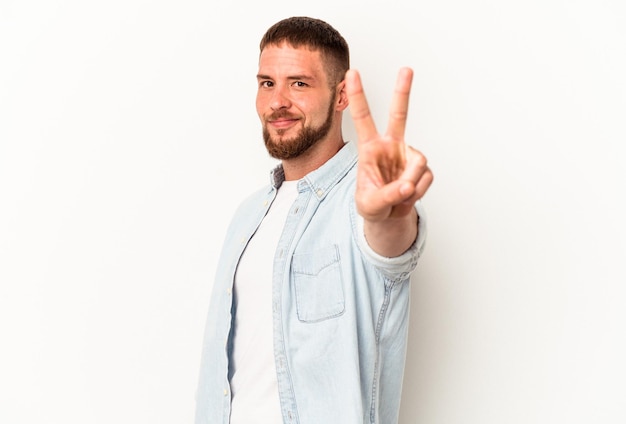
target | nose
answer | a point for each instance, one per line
(280, 98)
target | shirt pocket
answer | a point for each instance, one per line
(318, 284)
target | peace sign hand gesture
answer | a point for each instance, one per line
(391, 175)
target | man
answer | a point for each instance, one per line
(309, 311)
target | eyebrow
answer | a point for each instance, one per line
(291, 77)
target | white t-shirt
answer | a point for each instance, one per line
(253, 382)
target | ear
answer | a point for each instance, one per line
(342, 96)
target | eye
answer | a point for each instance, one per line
(300, 84)
(266, 84)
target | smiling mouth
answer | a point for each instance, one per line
(282, 123)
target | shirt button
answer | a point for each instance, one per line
(265, 203)
(225, 392)
(228, 291)
(319, 192)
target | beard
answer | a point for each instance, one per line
(303, 141)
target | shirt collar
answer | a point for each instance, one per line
(321, 180)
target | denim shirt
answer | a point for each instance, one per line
(340, 311)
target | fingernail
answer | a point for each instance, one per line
(405, 189)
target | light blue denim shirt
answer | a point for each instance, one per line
(340, 311)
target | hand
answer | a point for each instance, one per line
(391, 175)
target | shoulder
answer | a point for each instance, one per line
(254, 201)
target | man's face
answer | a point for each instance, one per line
(294, 102)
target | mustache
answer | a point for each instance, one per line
(281, 114)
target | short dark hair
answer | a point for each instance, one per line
(315, 34)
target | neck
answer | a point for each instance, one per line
(312, 159)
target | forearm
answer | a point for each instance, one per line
(393, 236)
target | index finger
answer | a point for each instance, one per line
(359, 109)
(400, 104)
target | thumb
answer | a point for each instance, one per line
(396, 192)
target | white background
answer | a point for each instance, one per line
(128, 135)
